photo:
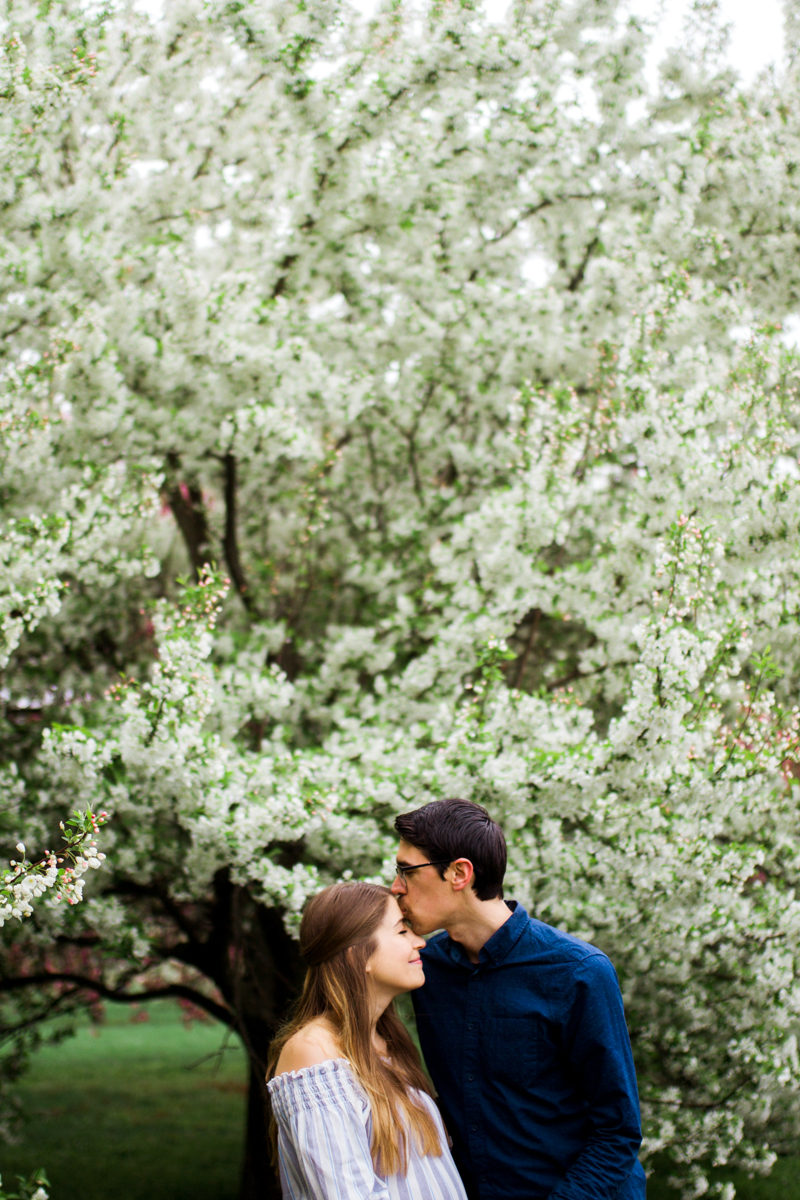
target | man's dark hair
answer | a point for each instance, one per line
(450, 829)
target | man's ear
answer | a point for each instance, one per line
(463, 874)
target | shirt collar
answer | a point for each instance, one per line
(500, 944)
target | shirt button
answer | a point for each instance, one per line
(473, 1127)
(470, 1077)
(470, 1027)
(483, 1179)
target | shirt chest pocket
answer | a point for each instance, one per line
(515, 1050)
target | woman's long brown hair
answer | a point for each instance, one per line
(337, 939)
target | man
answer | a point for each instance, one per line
(521, 1025)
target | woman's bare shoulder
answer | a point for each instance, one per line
(313, 1044)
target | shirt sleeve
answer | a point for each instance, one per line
(323, 1138)
(599, 1052)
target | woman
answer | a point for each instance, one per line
(353, 1115)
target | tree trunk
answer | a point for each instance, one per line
(259, 1178)
(267, 979)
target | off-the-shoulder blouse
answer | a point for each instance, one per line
(324, 1130)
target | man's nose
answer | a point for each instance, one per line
(398, 887)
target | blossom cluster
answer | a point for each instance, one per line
(60, 873)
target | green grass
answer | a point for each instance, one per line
(119, 1112)
(128, 1111)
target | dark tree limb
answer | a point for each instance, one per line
(576, 674)
(201, 170)
(14, 329)
(186, 502)
(176, 990)
(230, 541)
(284, 266)
(51, 1009)
(179, 216)
(577, 279)
(522, 661)
(533, 209)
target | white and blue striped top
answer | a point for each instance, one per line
(324, 1129)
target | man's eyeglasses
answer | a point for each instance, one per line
(402, 872)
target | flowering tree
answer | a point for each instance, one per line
(375, 432)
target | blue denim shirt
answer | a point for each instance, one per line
(530, 1055)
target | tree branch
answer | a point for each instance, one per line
(51, 1009)
(522, 661)
(201, 170)
(577, 279)
(533, 209)
(177, 990)
(230, 543)
(576, 674)
(186, 502)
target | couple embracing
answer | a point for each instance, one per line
(521, 1026)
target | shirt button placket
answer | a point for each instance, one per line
(472, 1085)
